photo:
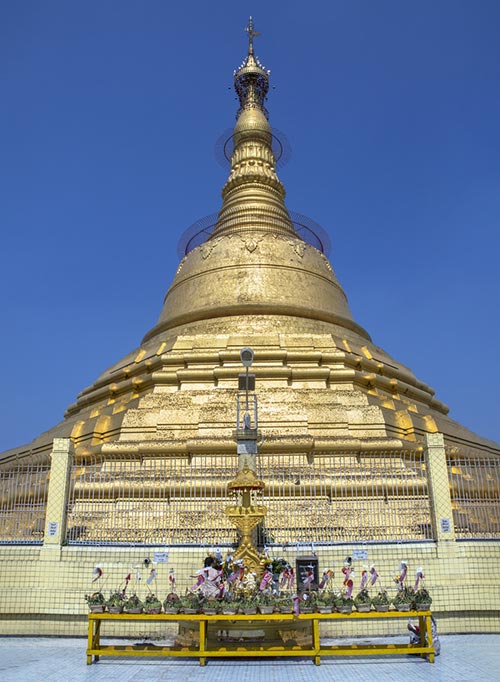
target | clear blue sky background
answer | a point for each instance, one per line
(109, 111)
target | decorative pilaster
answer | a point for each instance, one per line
(55, 519)
(439, 493)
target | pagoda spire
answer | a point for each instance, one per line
(253, 196)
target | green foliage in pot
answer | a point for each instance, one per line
(95, 599)
(342, 600)
(421, 596)
(249, 601)
(133, 603)
(152, 603)
(323, 599)
(210, 604)
(404, 596)
(285, 602)
(266, 598)
(381, 599)
(189, 601)
(116, 599)
(362, 597)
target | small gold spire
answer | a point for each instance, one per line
(251, 35)
(253, 196)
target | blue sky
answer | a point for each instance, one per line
(109, 112)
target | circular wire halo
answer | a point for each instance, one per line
(307, 229)
(282, 150)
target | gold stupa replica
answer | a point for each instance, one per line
(357, 455)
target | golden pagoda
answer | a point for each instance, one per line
(352, 446)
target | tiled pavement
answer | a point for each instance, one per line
(464, 658)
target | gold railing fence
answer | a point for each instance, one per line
(175, 500)
(475, 495)
(23, 499)
(342, 497)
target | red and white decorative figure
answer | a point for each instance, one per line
(127, 580)
(267, 579)
(403, 568)
(97, 573)
(326, 578)
(364, 579)
(348, 572)
(309, 579)
(419, 576)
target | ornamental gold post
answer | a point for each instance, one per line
(246, 514)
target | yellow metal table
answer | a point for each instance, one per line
(203, 651)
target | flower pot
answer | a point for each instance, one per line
(422, 607)
(402, 607)
(228, 612)
(115, 609)
(363, 608)
(172, 610)
(97, 608)
(250, 611)
(154, 612)
(137, 609)
(210, 612)
(188, 610)
(266, 610)
(381, 607)
(324, 609)
(306, 609)
(346, 608)
(286, 609)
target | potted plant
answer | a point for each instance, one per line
(152, 604)
(285, 603)
(210, 606)
(403, 599)
(172, 603)
(344, 604)
(189, 603)
(133, 604)
(422, 600)
(248, 604)
(229, 605)
(362, 601)
(323, 601)
(266, 602)
(115, 602)
(96, 602)
(307, 603)
(381, 601)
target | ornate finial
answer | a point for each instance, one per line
(251, 80)
(251, 34)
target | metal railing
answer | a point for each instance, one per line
(475, 496)
(345, 498)
(23, 500)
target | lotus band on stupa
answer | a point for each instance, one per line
(334, 448)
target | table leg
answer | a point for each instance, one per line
(422, 633)
(316, 642)
(430, 643)
(203, 640)
(90, 639)
(96, 644)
